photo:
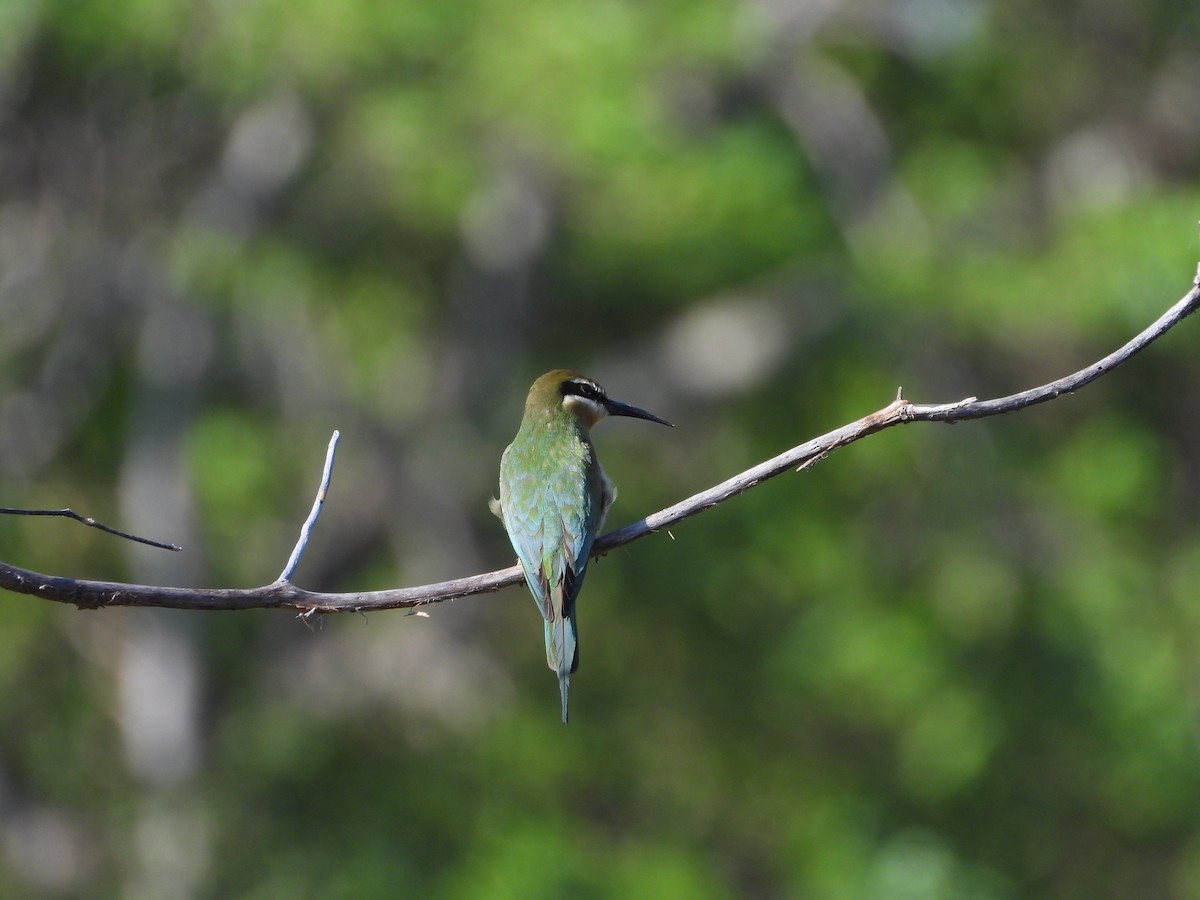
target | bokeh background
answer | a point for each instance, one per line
(946, 662)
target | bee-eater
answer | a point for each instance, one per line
(553, 499)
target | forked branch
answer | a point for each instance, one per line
(284, 594)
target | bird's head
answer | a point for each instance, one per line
(581, 397)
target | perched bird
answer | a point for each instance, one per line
(553, 499)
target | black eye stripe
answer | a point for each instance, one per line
(586, 389)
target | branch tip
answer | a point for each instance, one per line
(68, 513)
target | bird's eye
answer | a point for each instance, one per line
(587, 389)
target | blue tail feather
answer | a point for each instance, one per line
(562, 653)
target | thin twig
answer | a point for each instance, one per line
(283, 594)
(318, 502)
(86, 520)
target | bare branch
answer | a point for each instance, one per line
(86, 520)
(898, 412)
(283, 594)
(306, 529)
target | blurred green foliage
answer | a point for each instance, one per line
(944, 663)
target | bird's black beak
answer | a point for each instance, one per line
(617, 408)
